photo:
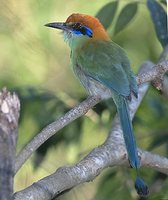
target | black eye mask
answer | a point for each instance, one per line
(80, 29)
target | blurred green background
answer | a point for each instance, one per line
(34, 62)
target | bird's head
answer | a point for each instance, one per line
(80, 28)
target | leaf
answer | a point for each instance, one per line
(159, 18)
(125, 16)
(106, 13)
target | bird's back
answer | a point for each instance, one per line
(107, 63)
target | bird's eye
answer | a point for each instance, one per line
(77, 26)
(80, 29)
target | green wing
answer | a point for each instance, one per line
(104, 61)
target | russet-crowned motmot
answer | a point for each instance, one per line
(103, 68)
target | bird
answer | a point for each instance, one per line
(103, 68)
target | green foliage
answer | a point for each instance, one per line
(164, 2)
(110, 189)
(159, 140)
(44, 107)
(35, 63)
(125, 16)
(106, 13)
(68, 135)
(159, 18)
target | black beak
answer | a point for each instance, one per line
(59, 25)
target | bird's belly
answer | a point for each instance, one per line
(96, 88)
(92, 86)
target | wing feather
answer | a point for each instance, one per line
(102, 61)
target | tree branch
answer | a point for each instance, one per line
(111, 153)
(77, 112)
(156, 75)
(86, 170)
(53, 128)
(9, 114)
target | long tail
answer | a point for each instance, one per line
(126, 124)
(128, 132)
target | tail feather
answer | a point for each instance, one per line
(141, 187)
(126, 124)
(128, 133)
